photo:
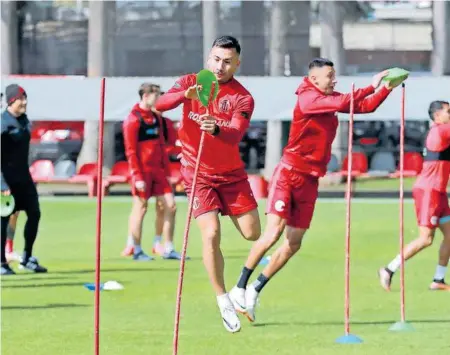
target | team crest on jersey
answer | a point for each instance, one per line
(224, 105)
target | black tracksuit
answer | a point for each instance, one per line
(16, 177)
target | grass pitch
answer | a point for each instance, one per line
(301, 309)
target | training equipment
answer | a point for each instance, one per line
(207, 80)
(101, 127)
(402, 325)
(7, 205)
(209, 86)
(396, 75)
(348, 338)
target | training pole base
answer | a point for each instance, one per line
(349, 339)
(401, 327)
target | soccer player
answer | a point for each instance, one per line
(222, 185)
(145, 151)
(430, 199)
(16, 179)
(170, 136)
(293, 188)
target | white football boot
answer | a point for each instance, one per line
(229, 317)
(251, 299)
(237, 297)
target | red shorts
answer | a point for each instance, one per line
(213, 193)
(292, 196)
(431, 206)
(156, 184)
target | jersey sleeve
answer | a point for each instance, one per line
(239, 121)
(370, 103)
(174, 96)
(130, 137)
(313, 102)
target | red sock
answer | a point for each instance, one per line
(9, 246)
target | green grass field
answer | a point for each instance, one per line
(301, 309)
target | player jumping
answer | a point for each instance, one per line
(222, 184)
(430, 199)
(145, 151)
(293, 188)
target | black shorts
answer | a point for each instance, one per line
(25, 196)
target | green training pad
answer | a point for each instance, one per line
(7, 205)
(210, 86)
(396, 74)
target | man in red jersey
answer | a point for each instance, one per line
(145, 151)
(430, 199)
(293, 188)
(222, 184)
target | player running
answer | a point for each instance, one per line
(293, 188)
(430, 199)
(222, 184)
(145, 151)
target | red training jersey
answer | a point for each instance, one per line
(232, 108)
(144, 142)
(436, 166)
(315, 123)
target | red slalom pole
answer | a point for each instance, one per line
(348, 338)
(101, 125)
(402, 325)
(183, 251)
(402, 188)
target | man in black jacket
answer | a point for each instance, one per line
(15, 176)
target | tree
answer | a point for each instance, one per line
(9, 38)
(211, 11)
(440, 57)
(331, 14)
(101, 26)
(278, 50)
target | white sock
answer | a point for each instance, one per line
(137, 249)
(130, 241)
(394, 264)
(168, 247)
(157, 238)
(440, 272)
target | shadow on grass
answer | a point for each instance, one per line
(20, 278)
(36, 285)
(326, 323)
(103, 270)
(47, 306)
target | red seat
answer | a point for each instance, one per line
(360, 164)
(120, 174)
(413, 163)
(87, 175)
(42, 170)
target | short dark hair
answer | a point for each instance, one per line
(147, 88)
(320, 62)
(227, 42)
(436, 106)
